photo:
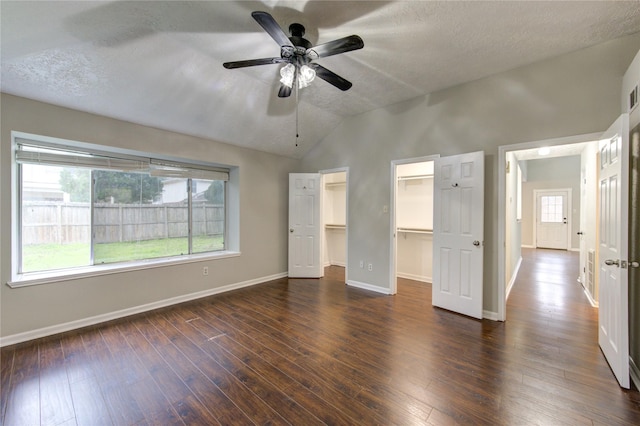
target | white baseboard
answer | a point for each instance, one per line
(73, 325)
(513, 278)
(533, 247)
(490, 315)
(415, 277)
(369, 287)
(344, 265)
(590, 298)
(634, 372)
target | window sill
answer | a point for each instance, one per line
(48, 277)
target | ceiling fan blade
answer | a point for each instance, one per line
(270, 25)
(254, 62)
(331, 77)
(345, 44)
(284, 91)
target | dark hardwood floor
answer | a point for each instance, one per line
(307, 352)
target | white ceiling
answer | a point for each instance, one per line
(160, 63)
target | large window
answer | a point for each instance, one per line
(79, 207)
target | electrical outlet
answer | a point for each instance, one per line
(370, 266)
(362, 264)
(205, 270)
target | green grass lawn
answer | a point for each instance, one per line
(42, 257)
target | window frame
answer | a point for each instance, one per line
(231, 212)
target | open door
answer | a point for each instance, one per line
(613, 179)
(458, 233)
(304, 226)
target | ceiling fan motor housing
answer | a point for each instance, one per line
(297, 32)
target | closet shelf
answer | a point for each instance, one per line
(415, 231)
(335, 185)
(334, 226)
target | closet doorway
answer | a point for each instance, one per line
(412, 220)
(334, 219)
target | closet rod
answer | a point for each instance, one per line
(415, 177)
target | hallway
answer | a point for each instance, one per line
(551, 324)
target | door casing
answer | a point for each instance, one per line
(501, 314)
(393, 262)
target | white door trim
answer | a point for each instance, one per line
(393, 261)
(502, 167)
(536, 193)
(322, 224)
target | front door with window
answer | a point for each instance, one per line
(552, 219)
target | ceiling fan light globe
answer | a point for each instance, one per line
(287, 73)
(305, 76)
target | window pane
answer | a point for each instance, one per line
(55, 217)
(208, 215)
(551, 209)
(138, 216)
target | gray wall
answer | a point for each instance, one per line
(573, 94)
(263, 221)
(551, 173)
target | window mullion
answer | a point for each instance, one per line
(190, 214)
(225, 229)
(92, 231)
(19, 217)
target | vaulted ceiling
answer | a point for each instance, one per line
(160, 63)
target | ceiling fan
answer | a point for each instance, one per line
(298, 53)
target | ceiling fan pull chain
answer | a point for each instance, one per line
(297, 91)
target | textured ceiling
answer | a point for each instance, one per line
(160, 63)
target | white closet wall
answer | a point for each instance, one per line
(414, 221)
(335, 214)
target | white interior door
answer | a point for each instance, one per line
(304, 226)
(552, 228)
(613, 326)
(458, 233)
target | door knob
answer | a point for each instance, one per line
(634, 264)
(612, 262)
(476, 243)
(291, 230)
(580, 233)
